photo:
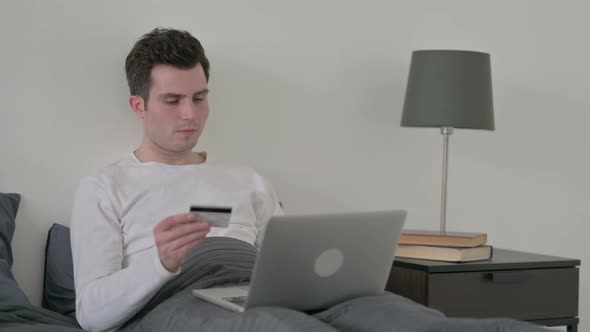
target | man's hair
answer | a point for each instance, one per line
(162, 46)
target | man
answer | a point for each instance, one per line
(131, 233)
(130, 225)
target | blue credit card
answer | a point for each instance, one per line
(216, 216)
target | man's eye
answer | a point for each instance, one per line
(171, 101)
(198, 100)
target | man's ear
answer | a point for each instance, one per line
(138, 106)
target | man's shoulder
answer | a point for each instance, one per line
(106, 173)
(116, 167)
(226, 166)
(242, 173)
(235, 169)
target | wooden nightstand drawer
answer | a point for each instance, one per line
(522, 294)
(538, 288)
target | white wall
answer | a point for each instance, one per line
(310, 93)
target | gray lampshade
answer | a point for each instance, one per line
(448, 88)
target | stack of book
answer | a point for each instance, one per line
(448, 246)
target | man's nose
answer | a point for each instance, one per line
(188, 111)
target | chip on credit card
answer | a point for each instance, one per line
(216, 216)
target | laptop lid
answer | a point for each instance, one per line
(313, 262)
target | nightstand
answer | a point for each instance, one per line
(524, 286)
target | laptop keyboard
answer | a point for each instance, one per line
(239, 300)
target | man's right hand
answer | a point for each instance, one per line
(176, 236)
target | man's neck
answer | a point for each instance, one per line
(144, 155)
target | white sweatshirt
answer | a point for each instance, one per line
(116, 264)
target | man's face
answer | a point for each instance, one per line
(177, 108)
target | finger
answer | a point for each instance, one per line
(180, 243)
(179, 255)
(179, 231)
(173, 222)
(183, 251)
(177, 219)
(189, 238)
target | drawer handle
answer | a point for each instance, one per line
(507, 277)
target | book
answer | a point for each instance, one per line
(446, 254)
(446, 239)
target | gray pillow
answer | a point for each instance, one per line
(59, 294)
(10, 292)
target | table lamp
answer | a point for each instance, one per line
(448, 89)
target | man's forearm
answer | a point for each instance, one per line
(108, 302)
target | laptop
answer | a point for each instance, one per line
(313, 262)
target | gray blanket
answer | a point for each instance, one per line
(29, 318)
(225, 261)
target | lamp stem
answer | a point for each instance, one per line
(446, 132)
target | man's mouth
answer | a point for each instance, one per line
(186, 132)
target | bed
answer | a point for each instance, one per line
(218, 261)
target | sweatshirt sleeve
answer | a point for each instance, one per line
(266, 205)
(107, 294)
